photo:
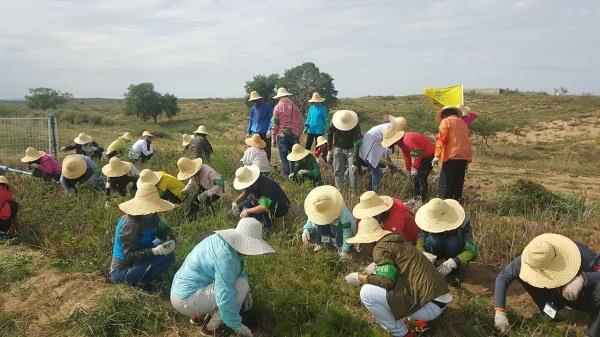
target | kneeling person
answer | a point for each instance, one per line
(44, 165)
(8, 208)
(209, 183)
(169, 188)
(78, 169)
(120, 176)
(304, 166)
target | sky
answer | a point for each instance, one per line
(209, 48)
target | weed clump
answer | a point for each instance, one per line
(14, 268)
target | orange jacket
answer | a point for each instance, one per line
(453, 140)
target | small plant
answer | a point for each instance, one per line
(15, 268)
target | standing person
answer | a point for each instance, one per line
(321, 148)
(211, 284)
(556, 272)
(328, 218)
(120, 147)
(185, 142)
(453, 149)
(199, 146)
(404, 284)
(169, 187)
(316, 119)
(120, 176)
(255, 154)
(393, 215)
(43, 164)
(304, 166)
(8, 208)
(286, 127)
(418, 151)
(142, 149)
(259, 120)
(84, 144)
(143, 243)
(79, 169)
(210, 186)
(343, 139)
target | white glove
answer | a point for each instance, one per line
(235, 207)
(446, 267)
(370, 268)
(165, 248)
(571, 291)
(435, 161)
(202, 196)
(268, 134)
(330, 156)
(344, 255)
(305, 236)
(430, 257)
(413, 172)
(291, 175)
(247, 305)
(501, 322)
(352, 279)
(243, 331)
(304, 172)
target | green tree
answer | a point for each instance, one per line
(143, 101)
(486, 127)
(169, 105)
(305, 79)
(46, 98)
(264, 85)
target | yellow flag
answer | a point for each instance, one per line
(445, 96)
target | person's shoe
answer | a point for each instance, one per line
(345, 256)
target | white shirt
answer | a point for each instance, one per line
(371, 149)
(139, 148)
(254, 155)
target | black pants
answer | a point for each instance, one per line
(144, 158)
(310, 138)
(5, 225)
(452, 179)
(588, 301)
(169, 196)
(263, 136)
(420, 180)
(48, 177)
(194, 205)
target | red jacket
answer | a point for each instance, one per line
(401, 220)
(415, 145)
(5, 196)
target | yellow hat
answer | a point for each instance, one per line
(245, 176)
(438, 115)
(188, 167)
(369, 231)
(254, 96)
(282, 92)
(74, 166)
(255, 141)
(147, 134)
(321, 141)
(201, 130)
(127, 135)
(371, 205)
(344, 120)
(116, 168)
(316, 98)
(323, 205)
(148, 177)
(186, 139)
(145, 201)
(31, 154)
(391, 136)
(439, 215)
(298, 153)
(82, 139)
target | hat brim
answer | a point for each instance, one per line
(148, 135)
(295, 156)
(244, 244)
(337, 122)
(153, 181)
(318, 100)
(128, 136)
(329, 215)
(28, 159)
(186, 175)
(261, 144)
(361, 212)
(369, 237)
(321, 143)
(565, 266)
(240, 185)
(144, 207)
(82, 141)
(254, 99)
(440, 225)
(389, 141)
(201, 132)
(284, 95)
(110, 171)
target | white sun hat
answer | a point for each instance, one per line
(82, 139)
(282, 92)
(391, 136)
(31, 154)
(116, 168)
(369, 231)
(323, 204)
(148, 177)
(201, 130)
(186, 139)
(371, 205)
(246, 176)
(145, 201)
(188, 167)
(127, 135)
(344, 120)
(147, 134)
(316, 98)
(298, 153)
(321, 141)
(254, 96)
(439, 215)
(246, 238)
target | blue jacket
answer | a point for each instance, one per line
(213, 260)
(259, 120)
(344, 225)
(316, 120)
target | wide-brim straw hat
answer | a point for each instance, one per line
(73, 166)
(438, 115)
(246, 238)
(148, 177)
(323, 205)
(147, 134)
(116, 168)
(465, 109)
(202, 130)
(82, 139)
(550, 261)
(31, 154)
(398, 123)
(4, 180)
(390, 136)
(298, 153)
(186, 139)
(439, 215)
(369, 231)
(145, 201)
(316, 98)
(188, 167)
(255, 141)
(344, 120)
(282, 92)
(245, 176)
(371, 205)
(254, 96)
(321, 141)
(127, 135)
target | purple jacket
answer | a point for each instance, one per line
(49, 165)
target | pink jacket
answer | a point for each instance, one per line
(49, 165)
(209, 179)
(286, 115)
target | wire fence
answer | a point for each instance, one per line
(16, 134)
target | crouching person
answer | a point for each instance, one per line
(556, 272)
(121, 176)
(304, 166)
(208, 182)
(446, 237)
(8, 208)
(211, 284)
(329, 220)
(404, 283)
(169, 188)
(144, 245)
(44, 165)
(77, 170)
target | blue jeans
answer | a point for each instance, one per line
(143, 272)
(336, 232)
(444, 246)
(285, 143)
(375, 176)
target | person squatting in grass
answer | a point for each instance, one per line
(212, 282)
(321, 149)
(255, 154)
(262, 198)
(286, 127)
(120, 147)
(446, 237)
(208, 184)
(259, 120)
(393, 215)
(84, 144)
(556, 272)
(304, 166)
(143, 243)
(329, 220)
(400, 284)
(316, 119)
(43, 164)
(121, 176)
(199, 146)
(142, 149)
(78, 169)
(8, 208)
(344, 140)
(169, 188)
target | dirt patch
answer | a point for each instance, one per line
(557, 130)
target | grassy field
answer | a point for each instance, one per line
(537, 176)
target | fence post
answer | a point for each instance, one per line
(53, 135)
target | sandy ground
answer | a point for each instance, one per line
(556, 130)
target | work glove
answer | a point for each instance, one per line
(291, 175)
(501, 322)
(330, 157)
(435, 161)
(571, 291)
(370, 269)
(305, 236)
(352, 279)
(235, 209)
(248, 301)
(344, 255)
(63, 148)
(430, 257)
(268, 134)
(243, 331)
(244, 214)
(202, 196)
(446, 267)
(413, 172)
(164, 248)
(215, 321)
(304, 172)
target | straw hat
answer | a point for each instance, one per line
(398, 123)
(438, 115)
(73, 166)
(464, 109)
(201, 130)
(323, 204)
(255, 141)
(82, 139)
(321, 141)
(316, 98)
(550, 261)
(186, 139)
(246, 238)
(31, 154)
(254, 96)
(148, 177)
(245, 176)
(282, 92)
(116, 168)
(298, 153)
(145, 201)
(188, 167)
(4, 180)
(371, 205)
(390, 136)
(344, 120)
(369, 231)
(439, 215)
(127, 135)
(147, 134)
